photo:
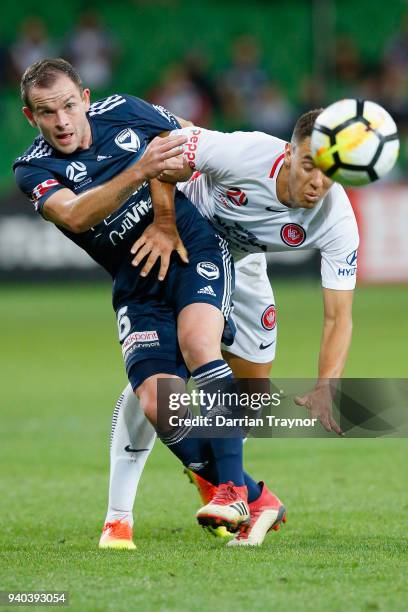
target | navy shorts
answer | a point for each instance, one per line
(147, 319)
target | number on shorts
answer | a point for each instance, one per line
(123, 323)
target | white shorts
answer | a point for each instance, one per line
(254, 311)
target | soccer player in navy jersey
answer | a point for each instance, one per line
(88, 172)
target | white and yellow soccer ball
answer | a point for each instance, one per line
(355, 142)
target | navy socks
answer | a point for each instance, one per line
(216, 376)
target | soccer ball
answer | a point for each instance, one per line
(355, 142)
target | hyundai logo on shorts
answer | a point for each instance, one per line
(352, 258)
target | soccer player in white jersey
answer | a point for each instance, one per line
(264, 195)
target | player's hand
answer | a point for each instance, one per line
(158, 241)
(162, 154)
(319, 404)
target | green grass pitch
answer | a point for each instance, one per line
(344, 546)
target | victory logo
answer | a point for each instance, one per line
(208, 270)
(128, 140)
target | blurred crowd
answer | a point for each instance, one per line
(243, 95)
(90, 47)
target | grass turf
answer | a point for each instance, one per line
(344, 545)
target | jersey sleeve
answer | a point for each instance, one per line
(37, 184)
(339, 254)
(151, 118)
(226, 157)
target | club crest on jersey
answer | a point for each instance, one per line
(293, 234)
(268, 318)
(237, 196)
(352, 258)
(76, 172)
(128, 140)
(208, 270)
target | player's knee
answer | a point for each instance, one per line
(147, 394)
(198, 348)
(149, 407)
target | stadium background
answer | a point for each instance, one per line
(229, 65)
(60, 366)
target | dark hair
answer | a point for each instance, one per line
(304, 125)
(44, 73)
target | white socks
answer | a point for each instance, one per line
(132, 440)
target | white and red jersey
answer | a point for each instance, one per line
(234, 184)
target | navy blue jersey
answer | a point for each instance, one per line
(122, 126)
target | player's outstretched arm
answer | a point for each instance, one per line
(335, 344)
(79, 213)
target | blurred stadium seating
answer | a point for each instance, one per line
(304, 54)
